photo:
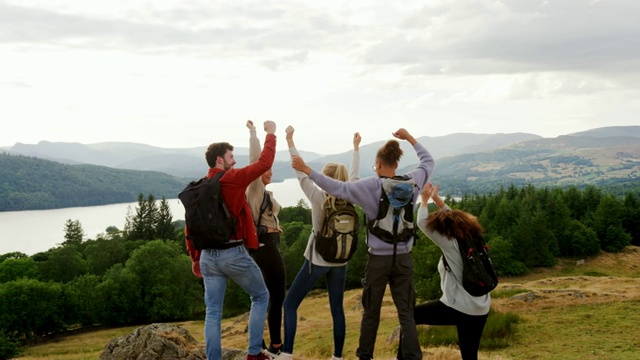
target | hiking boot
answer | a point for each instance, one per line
(272, 351)
(260, 356)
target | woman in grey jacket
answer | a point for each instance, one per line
(382, 268)
(456, 306)
(314, 266)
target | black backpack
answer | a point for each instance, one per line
(337, 239)
(479, 276)
(208, 220)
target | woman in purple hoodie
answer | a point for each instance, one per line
(387, 263)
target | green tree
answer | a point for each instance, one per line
(30, 308)
(531, 238)
(73, 233)
(102, 254)
(62, 265)
(121, 296)
(13, 269)
(616, 239)
(141, 225)
(608, 214)
(13, 255)
(500, 251)
(168, 289)
(88, 303)
(578, 240)
(631, 218)
(164, 228)
(299, 213)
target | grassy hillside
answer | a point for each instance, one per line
(574, 310)
(612, 164)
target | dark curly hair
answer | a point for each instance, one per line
(390, 153)
(454, 224)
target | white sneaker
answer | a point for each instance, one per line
(335, 358)
(284, 356)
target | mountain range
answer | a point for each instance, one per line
(465, 162)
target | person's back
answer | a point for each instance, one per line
(264, 209)
(456, 306)
(387, 263)
(315, 266)
(232, 261)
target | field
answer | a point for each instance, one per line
(575, 310)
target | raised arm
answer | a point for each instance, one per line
(354, 170)
(254, 143)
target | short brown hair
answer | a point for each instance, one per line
(216, 149)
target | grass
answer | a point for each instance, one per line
(587, 311)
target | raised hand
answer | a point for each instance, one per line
(356, 141)
(270, 127)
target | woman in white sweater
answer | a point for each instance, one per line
(314, 266)
(456, 306)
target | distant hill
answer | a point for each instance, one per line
(612, 163)
(30, 183)
(465, 163)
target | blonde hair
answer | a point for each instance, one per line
(335, 171)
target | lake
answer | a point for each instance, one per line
(34, 231)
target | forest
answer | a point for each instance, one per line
(142, 273)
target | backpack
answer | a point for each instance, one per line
(209, 223)
(266, 203)
(337, 239)
(479, 276)
(394, 220)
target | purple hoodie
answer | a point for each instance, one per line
(366, 194)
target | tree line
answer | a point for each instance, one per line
(142, 273)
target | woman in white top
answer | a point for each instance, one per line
(314, 266)
(456, 306)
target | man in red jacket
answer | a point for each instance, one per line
(232, 261)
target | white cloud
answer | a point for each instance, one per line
(145, 71)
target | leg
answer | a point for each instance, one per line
(269, 259)
(215, 283)
(244, 271)
(469, 334)
(302, 284)
(404, 297)
(374, 286)
(336, 278)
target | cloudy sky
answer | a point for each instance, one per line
(187, 73)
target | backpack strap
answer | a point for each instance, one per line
(266, 204)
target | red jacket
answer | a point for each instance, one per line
(233, 185)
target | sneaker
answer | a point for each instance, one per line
(260, 356)
(272, 351)
(333, 357)
(284, 356)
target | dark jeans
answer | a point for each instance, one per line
(469, 327)
(271, 264)
(335, 277)
(399, 274)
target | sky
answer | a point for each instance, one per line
(184, 73)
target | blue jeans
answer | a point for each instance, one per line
(217, 266)
(302, 284)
